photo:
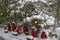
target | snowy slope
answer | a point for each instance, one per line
(9, 36)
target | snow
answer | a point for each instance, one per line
(12, 5)
(50, 20)
(28, 19)
(51, 39)
(34, 16)
(13, 22)
(14, 32)
(42, 17)
(58, 21)
(33, 27)
(42, 25)
(58, 31)
(17, 11)
(38, 17)
(24, 20)
(22, 6)
(44, 1)
(19, 7)
(18, 24)
(30, 37)
(31, 0)
(12, 11)
(35, 21)
(20, 1)
(9, 36)
(45, 16)
(23, 1)
(5, 30)
(51, 3)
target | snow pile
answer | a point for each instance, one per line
(37, 17)
(58, 31)
(9, 36)
(49, 19)
(30, 37)
(51, 39)
(14, 32)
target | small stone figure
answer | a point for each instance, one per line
(25, 29)
(13, 26)
(5, 29)
(34, 34)
(43, 35)
(18, 28)
(8, 26)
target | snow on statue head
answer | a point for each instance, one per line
(18, 24)
(5, 29)
(34, 28)
(13, 22)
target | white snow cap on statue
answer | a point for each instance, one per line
(18, 24)
(13, 22)
(34, 28)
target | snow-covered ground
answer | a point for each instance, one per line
(9, 36)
